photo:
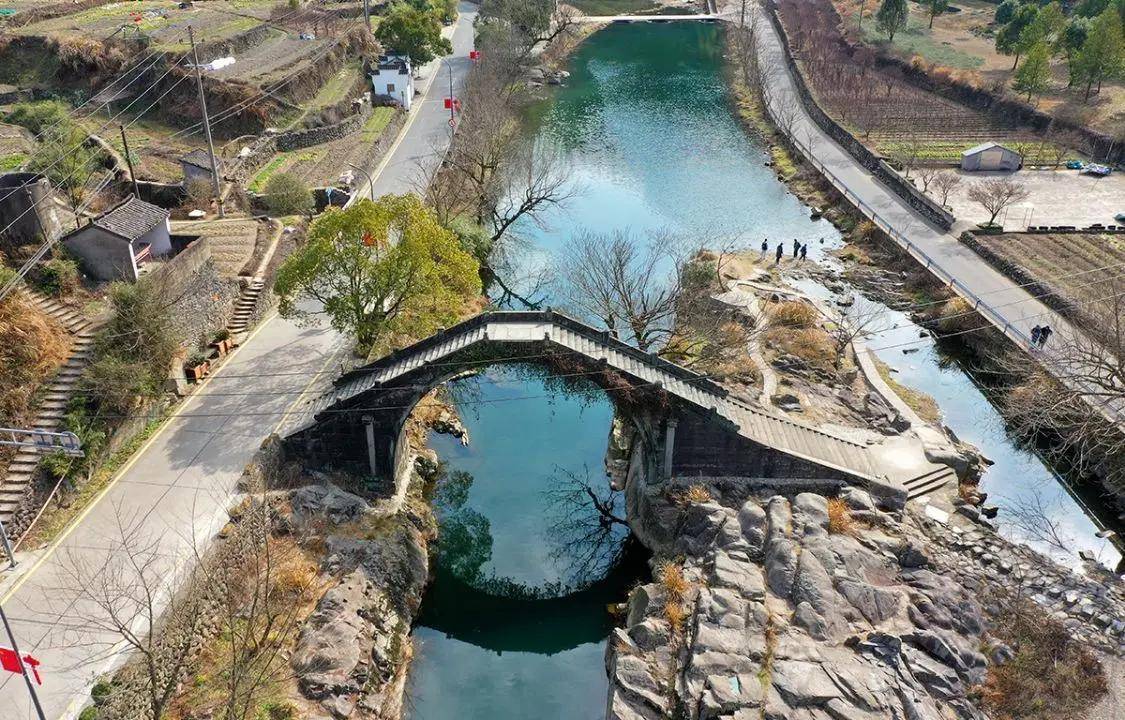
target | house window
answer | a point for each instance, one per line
(390, 88)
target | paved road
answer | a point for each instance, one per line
(176, 489)
(1002, 300)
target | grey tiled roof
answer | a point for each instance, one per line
(200, 159)
(131, 219)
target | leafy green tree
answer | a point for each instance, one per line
(891, 17)
(1102, 56)
(285, 194)
(935, 8)
(1011, 40)
(1090, 8)
(1005, 11)
(414, 33)
(1073, 36)
(377, 268)
(1034, 75)
(67, 161)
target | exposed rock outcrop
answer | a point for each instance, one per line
(785, 619)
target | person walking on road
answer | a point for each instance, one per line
(1035, 332)
(804, 251)
(779, 253)
(1044, 334)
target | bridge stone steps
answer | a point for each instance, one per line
(757, 424)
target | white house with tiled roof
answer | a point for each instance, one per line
(116, 244)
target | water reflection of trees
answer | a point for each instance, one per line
(585, 522)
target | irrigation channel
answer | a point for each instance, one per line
(646, 124)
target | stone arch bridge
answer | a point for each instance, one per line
(688, 426)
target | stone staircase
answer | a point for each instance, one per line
(244, 306)
(929, 482)
(53, 400)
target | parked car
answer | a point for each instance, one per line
(1075, 164)
(1095, 169)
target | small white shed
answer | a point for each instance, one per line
(115, 245)
(991, 156)
(392, 78)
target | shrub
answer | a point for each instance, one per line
(90, 713)
(840, 520)
(38, 116)
(139, 331)
(56, 465)
(56, 277)
(287, 195)
(1051, 675)
(956, 316)
(117, 383)
(792, 314)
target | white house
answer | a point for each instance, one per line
(991, 156)
(115, 245)
(392, 78)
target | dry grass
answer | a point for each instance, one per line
(920, 402)
(1051, 675)
(840, 521)
(676, 587)
(956, 315)
(792, 314)
(697, 494)
(32, 346)
(813, 345)
(855, 254)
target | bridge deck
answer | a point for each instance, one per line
(758, 424)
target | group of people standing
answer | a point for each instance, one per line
(800, 252)
(1039, 335)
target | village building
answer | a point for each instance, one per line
(115, 245)
(392, 79)
(991, 156)
(196, 166)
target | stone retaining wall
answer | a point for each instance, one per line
(299, 139)
(872, 162)
(201, 300)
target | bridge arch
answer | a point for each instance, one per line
(687, 424)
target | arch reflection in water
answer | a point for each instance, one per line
(500, 636)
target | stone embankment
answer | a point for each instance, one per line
(780, 609)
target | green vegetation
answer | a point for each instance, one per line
(38, 116)
(891, 17)
(286, 195)
(337, 87)
(15, 161)
(1034, 75)
(262, 177)
(916, 39)
(56, 277)
(414, 33)
(378, 268)
(376, 124)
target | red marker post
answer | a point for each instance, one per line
(474, 54)
(10, 661)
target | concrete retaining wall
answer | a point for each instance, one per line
(875, 164)
(201, 300)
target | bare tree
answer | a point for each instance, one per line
(927, 174)
(1031, 515)
(944, 185)
(631, 285)
(862, 319)
(996, 194)
(123, 593)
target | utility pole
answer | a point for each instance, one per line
(23, 666)
(367, 14)
(452, 100)
(129, 162)
(742, 15)
(7, 546)
(206, 124)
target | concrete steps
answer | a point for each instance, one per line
(929, 482)
(54, 397)
(245, 305)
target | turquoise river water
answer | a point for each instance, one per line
(646, 125)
